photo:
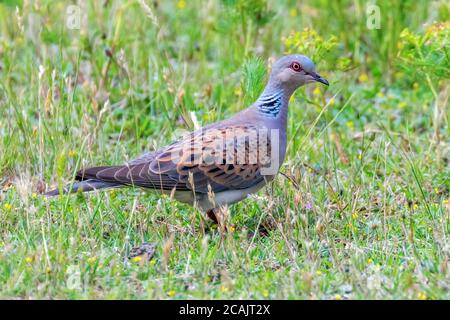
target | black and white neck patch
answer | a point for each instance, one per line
(270, 105)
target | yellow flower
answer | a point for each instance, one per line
(33, 195)
(7, 206)
(232, 229)
(29, 259)
(318, 272)
(171, 293)
(380, 94)
(237, 91)
(363, 77)
(369, 260)
(349, 124)
(415, 85)
(446, 201)
(359, 156)
(91, 260)
(72, 153)
(181, 4)
(355, 215)
(223, 289)
(137, 259)
(415, 206)
(331, 102)
(402, 105)
(293, 12)
(422, 296)
(265, 293)
(337, 297)
(316, 91)
(152, 262)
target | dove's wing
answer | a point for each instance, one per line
(216, 159)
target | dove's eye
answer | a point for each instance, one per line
(296, 66)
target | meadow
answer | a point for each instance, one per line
(360, 209)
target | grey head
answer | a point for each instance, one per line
(293, 71)
(288, 73)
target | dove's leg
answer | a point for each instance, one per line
(218, 218)
(212, 215)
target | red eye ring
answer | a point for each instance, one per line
(296, 66)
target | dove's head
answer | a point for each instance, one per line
(294, 71)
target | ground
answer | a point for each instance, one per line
(361, 209)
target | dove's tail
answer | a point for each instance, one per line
(83, 186)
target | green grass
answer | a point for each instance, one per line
(363, 208)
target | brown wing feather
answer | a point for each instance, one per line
(196, 162)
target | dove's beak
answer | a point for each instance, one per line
(320, 79)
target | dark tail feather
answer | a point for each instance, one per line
(83, 186)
